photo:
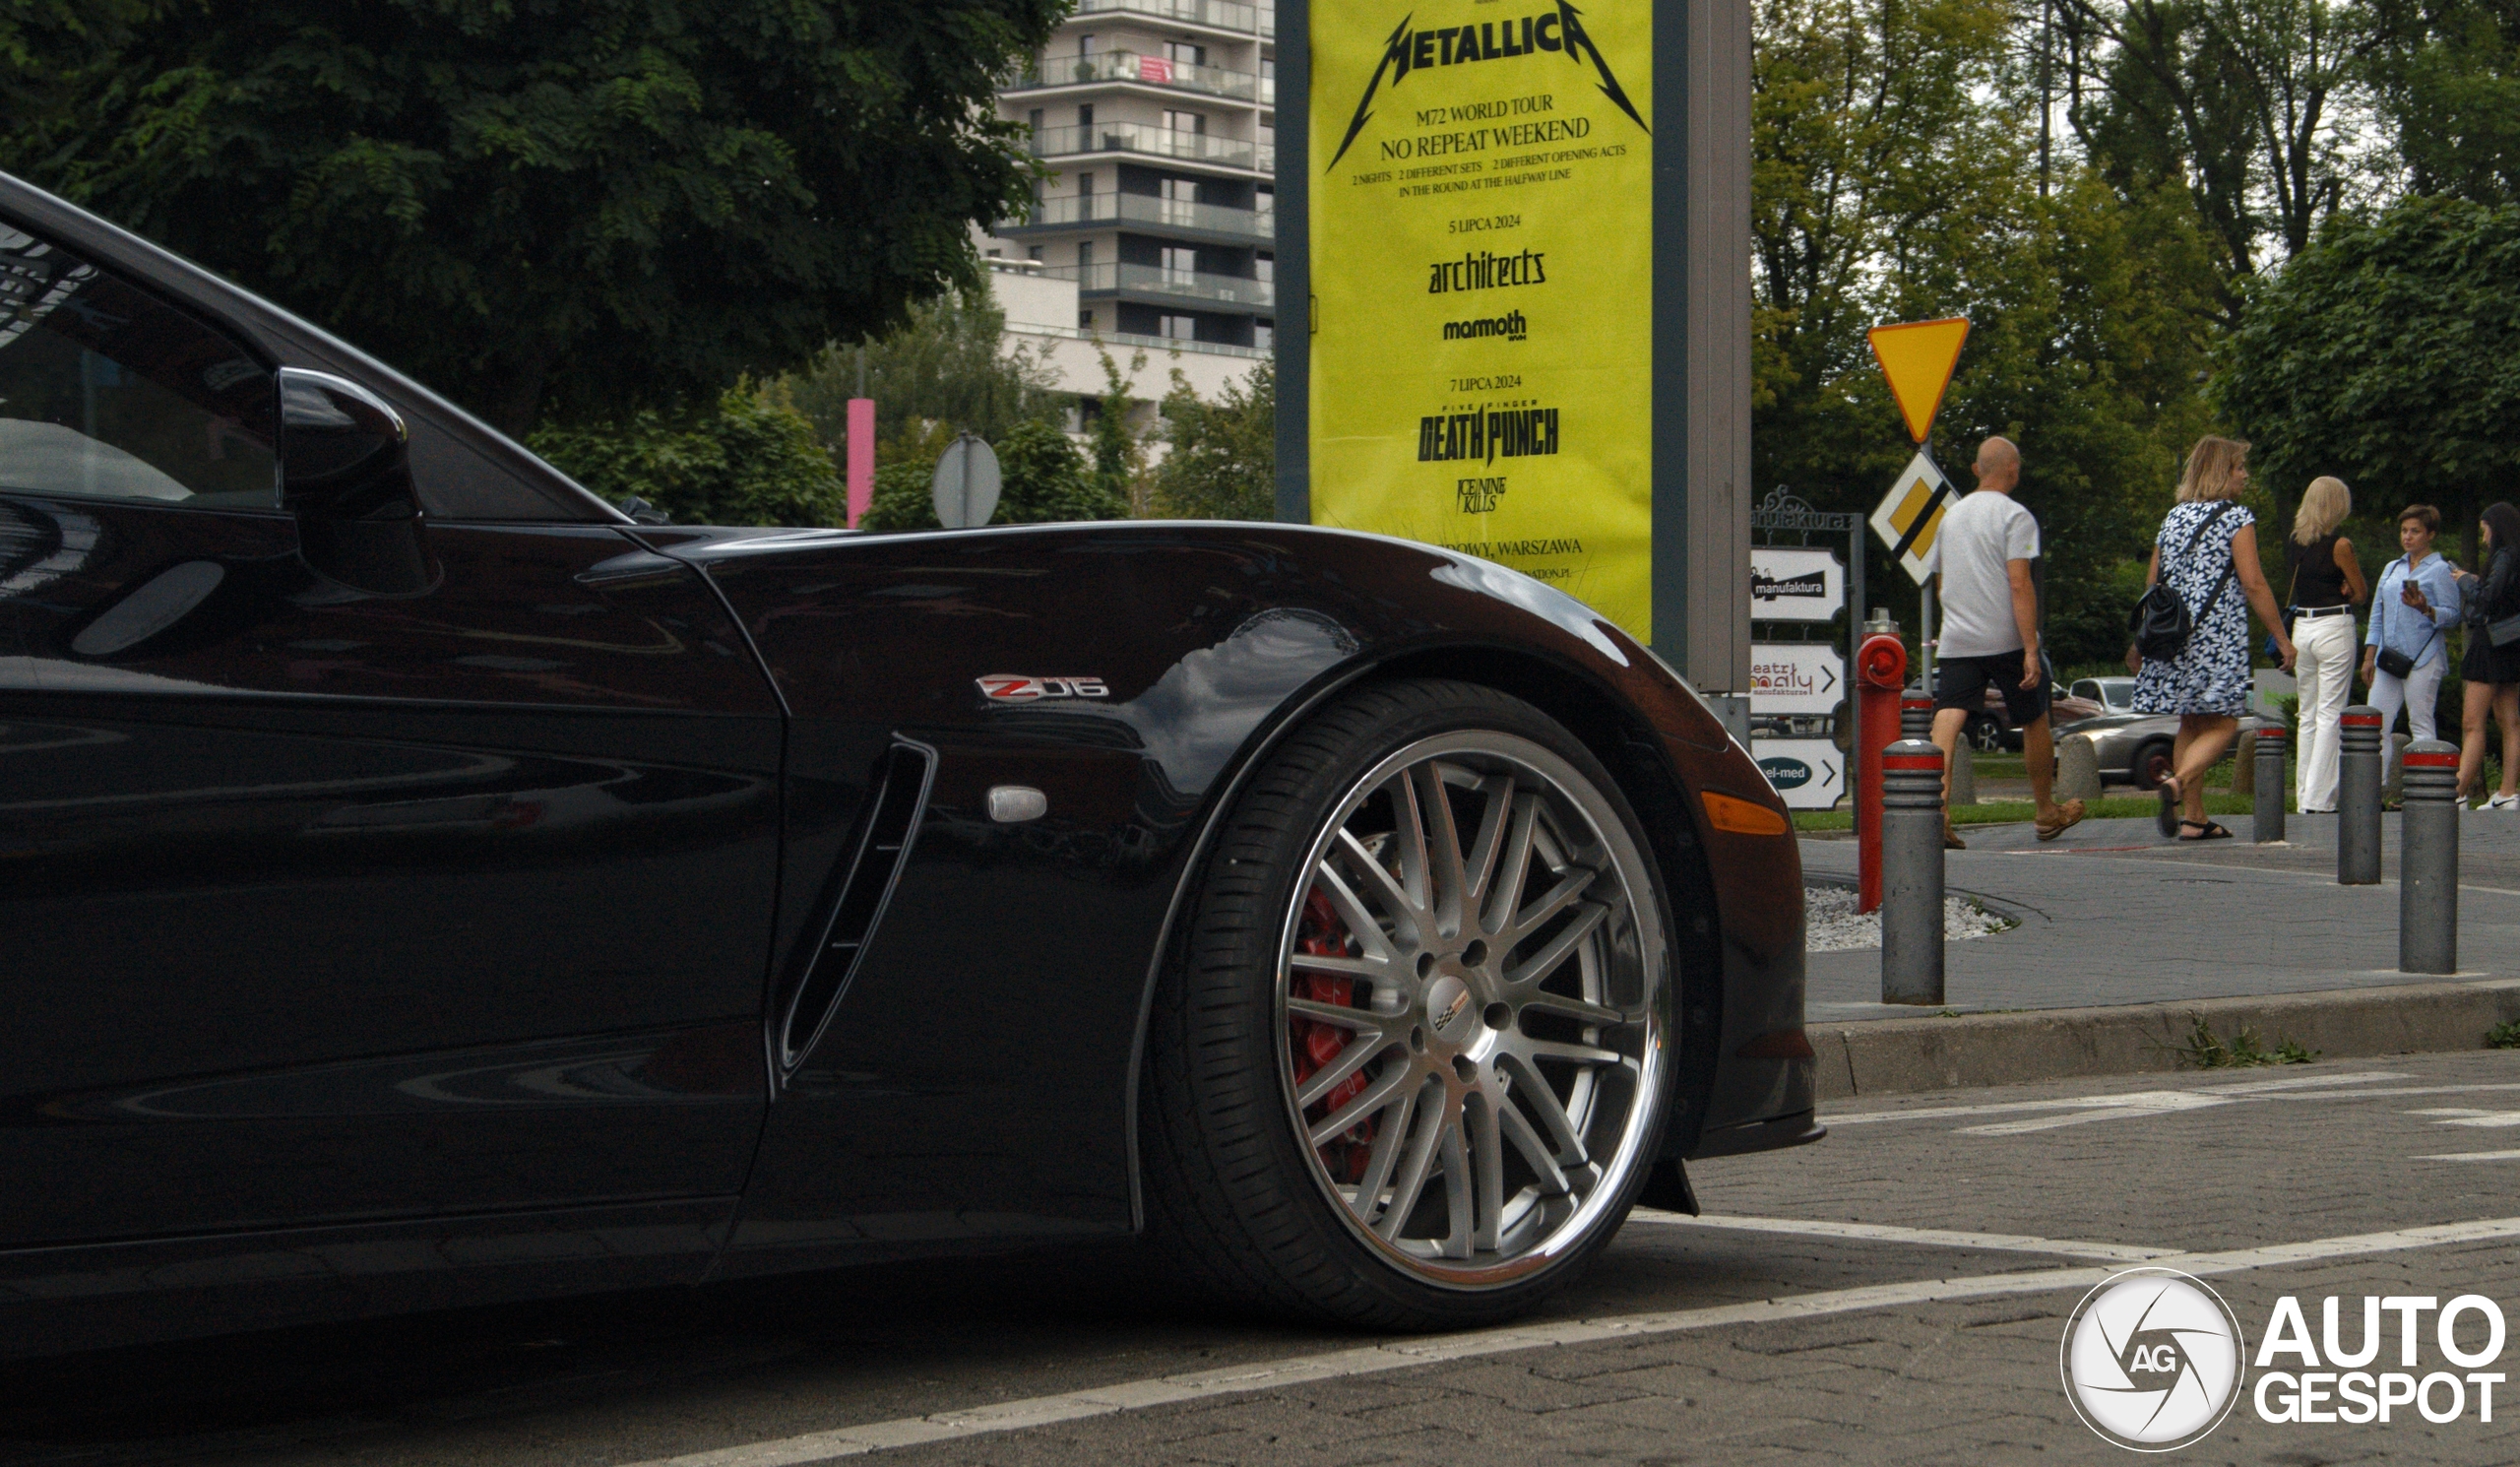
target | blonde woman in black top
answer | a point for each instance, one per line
(2326, 586)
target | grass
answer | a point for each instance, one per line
(2019, 811)
(2207, 1050)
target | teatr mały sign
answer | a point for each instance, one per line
(1481, 240)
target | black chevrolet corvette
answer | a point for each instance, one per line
(419, 884)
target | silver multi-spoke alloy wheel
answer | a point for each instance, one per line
(1470, 985)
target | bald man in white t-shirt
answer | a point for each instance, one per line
(1990, 633)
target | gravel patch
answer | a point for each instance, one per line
(1832, 924)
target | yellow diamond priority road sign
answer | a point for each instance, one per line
(1910, 514)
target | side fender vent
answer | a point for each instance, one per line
(876, 852)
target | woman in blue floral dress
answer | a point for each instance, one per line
(2207, 550)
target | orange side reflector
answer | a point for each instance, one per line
(1779, 1044)
(1742, 816)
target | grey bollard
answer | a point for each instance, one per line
(2077, 768)
(1916, 713)
(1912, 872)
(2428, 859)
(2358, 799)
(2271, 742)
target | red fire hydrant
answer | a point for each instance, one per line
(1880, 676)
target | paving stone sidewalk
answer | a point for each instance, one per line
(2113, 914)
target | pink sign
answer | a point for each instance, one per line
(861, 458)
(1154, 69)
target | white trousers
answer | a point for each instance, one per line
(2323, 673)
(2420, 691)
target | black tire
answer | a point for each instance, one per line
(1241, 1205)
(1985, 734)
(2151, 761)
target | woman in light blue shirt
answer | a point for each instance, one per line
(2415, 626)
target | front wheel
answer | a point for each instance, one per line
(1411, 1068)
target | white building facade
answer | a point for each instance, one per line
(1157, 118)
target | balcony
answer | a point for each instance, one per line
(1155, 283)
(1154, 142)
(1148, 71)
(1215, 15)
(1209, 220)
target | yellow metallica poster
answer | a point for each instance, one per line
(1482, 270)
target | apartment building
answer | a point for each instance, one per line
(1157, 118)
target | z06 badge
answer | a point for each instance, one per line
(1006, 688)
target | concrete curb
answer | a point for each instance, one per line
(1903, 1057)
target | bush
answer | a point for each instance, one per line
(750, 461)
(1043, 480)
(1047, 479)
(905, 498)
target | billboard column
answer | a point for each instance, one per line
(1293, 303)
(1702, 345)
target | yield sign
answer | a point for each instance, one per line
(1918, 358)
(1907, 517)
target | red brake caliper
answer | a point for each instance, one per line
(1323, 934)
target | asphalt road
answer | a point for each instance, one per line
(1897, 1292)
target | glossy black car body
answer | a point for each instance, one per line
(535, 926)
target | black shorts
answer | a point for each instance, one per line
(1961, 683)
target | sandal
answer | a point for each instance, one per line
(2168, 820)
(2068, 815)
(1951, 840)
(2206, 830)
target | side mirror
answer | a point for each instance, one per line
(345, 474)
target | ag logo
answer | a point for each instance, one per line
(2152, 1360)
(1005, 687)
(1786, 772)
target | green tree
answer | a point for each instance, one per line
(945, 368)
(1892, 181)
(750, 461)
(582, 209)
(2388, 353)
(2240, 99)
(1119, 457)
(2447, 77)
(1222, 458)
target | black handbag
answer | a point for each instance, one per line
(2161, 623)
(2398, 664)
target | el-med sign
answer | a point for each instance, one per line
(1811, 773)
(1794, 585)
(1482, 254)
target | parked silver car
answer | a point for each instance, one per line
(2116, 694)
(2133, 747)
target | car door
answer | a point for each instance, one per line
(323, 906)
